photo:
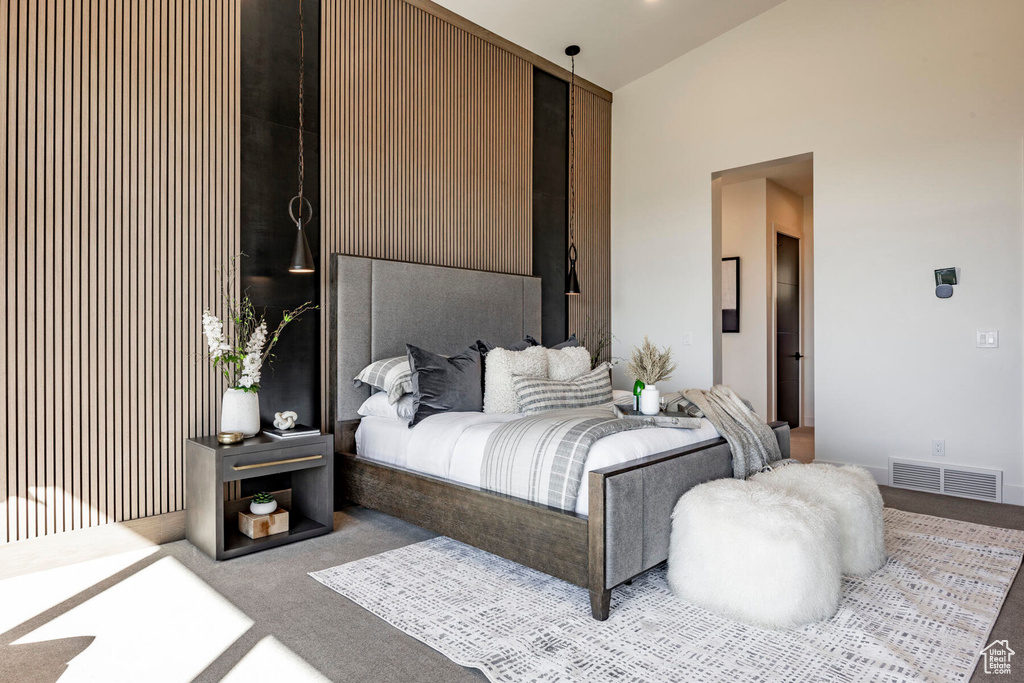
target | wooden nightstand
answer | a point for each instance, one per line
(209, 464)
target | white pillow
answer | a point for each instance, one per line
(393, 376)
(568, 363)
(501, 366)
(378, 405)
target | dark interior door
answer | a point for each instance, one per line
(787, 330)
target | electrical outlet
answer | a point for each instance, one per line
(939, 448)
(687, 338)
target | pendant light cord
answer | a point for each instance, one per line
(302, 80)
(572, 156)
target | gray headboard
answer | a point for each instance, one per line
(378, 306)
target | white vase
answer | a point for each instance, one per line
(240, 412)
(650, 400)
(262, 508)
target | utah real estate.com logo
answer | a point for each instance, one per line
(997, 656)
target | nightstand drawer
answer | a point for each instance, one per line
(246, 465)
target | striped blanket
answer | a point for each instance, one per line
(542, 457)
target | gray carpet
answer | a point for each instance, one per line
(346, 643)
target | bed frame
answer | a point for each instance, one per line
(378, 306)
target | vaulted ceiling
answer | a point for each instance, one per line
(621, 40)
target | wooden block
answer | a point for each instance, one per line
(258, 526)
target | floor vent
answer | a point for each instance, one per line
(952, 480)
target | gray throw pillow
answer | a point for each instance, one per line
(443, 384)
(568, 343)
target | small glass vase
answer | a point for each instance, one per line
(240, 412)
(650, 400)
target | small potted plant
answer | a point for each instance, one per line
(650, 365)
(263, 503)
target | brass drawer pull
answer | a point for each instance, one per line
(276, 462)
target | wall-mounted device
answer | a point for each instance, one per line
(945, 278)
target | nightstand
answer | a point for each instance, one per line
(209, 465)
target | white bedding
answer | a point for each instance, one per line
(451, 445)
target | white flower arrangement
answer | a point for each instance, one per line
(241, 350)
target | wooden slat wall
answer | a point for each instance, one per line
(426, 148)
(426, 140)
(590, 313)
(120, 130)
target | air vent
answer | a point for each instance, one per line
(952, 480)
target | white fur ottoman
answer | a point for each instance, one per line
(755, 554)
(853, 494)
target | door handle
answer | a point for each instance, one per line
(797, 355)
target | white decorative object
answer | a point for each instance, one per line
(285, 419)
(240, 412)
(851, 492)
(462, 614)
(727, 532)
(262, 508)
(650, 400)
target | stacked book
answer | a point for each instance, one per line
(293, 433)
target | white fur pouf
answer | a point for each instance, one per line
(853, 494)
(755, 554)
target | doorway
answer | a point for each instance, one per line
(763, 230)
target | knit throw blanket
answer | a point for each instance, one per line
(753, 443)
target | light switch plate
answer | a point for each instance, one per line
(687, 338)
(988, 339)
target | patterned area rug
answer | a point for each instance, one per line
(924, 616)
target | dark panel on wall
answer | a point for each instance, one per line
(269, 179)
(550, 200)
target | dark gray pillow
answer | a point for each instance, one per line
(483, 347)
(568, 343)
(445, 384)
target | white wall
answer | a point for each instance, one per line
(744, 364)
(915, 114)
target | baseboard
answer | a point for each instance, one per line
(59, 550)
(71, 547)
(808, 420)
(881, 474)
(1013, 495)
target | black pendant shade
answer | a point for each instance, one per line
(572, 282)
(302, 257)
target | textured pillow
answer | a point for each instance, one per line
(537, 394)
(442, 384)
(502, 365)
(391, 375)
(379, 406)
(568, 363)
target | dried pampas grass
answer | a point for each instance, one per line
(649, 364)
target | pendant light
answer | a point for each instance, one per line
(572, 282)
(302, 257)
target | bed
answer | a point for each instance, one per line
(376, 307)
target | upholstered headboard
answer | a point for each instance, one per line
(378, 306)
